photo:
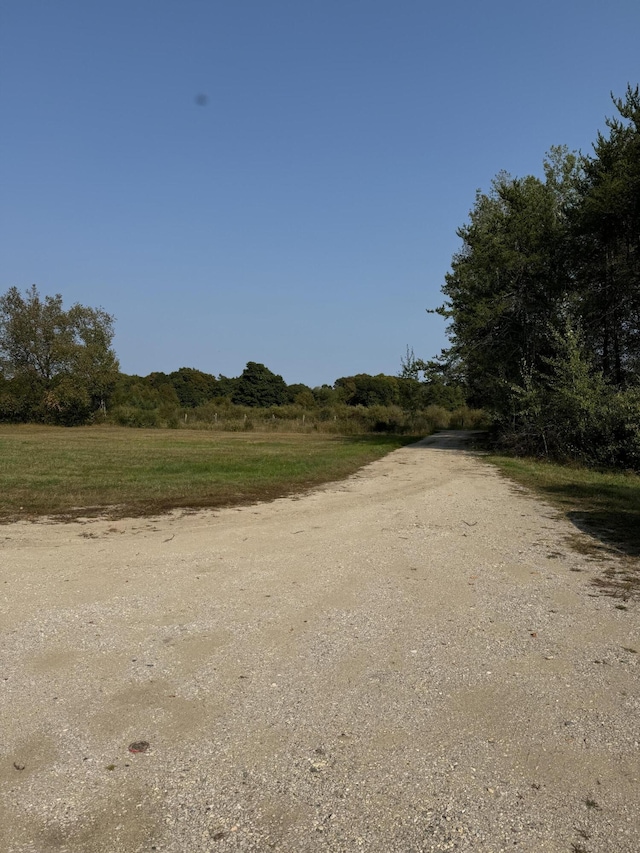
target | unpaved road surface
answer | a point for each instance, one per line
(411, 660)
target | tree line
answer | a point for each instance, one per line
(543, 301)
(58, 366)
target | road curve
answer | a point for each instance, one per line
(410, 660)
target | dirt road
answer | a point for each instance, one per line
(411, 660)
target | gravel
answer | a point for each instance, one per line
(411, 660)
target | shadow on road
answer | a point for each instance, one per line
(612, 533)
(450, 439)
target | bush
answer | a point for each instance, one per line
(384, 419)
(466, 418)
(437, 416)
(132, 417)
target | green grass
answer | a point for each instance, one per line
(603, 504)
(118, 472)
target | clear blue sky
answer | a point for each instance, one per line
(305, 216)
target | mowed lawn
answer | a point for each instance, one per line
(82, 471)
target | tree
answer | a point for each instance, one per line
(58, 366)
(441, 384)
(302, 391)
(544, 301)
(506, 287)
(193, 387)
(606, 245)
(225, 386)
(410, 366)
(258, 386)
(326, 395)
(366, 390)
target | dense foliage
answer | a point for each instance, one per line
(56, 366)
(544, 301)
(258, 386)
(260, 398)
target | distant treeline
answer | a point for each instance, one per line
(543, 300)
(57, 366)
(257, 386)
(260, 397)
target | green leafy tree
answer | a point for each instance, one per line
(425, 383)
(326, 395)
(305, 399)
(443, 384)
(58, 366)
(145, 392)
(193, 387)
(366, 390)
(299, 391)
(225, 386)
(258, 386)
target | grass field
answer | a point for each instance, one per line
(604, 504)
(119, 471)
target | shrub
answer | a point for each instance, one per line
(132, 417)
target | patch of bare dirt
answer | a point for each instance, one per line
(414, 659)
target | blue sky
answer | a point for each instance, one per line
(305, 215)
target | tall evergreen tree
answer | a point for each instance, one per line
(544, 300)
(505, 286)
(606, 245)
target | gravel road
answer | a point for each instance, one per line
(410, 660)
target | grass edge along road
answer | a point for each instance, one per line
(603, 504)
(115, 472)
